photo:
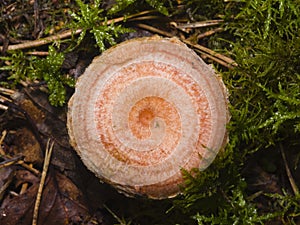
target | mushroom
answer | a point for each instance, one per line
(145, 109)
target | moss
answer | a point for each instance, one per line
(263, 38)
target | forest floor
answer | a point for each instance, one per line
(33, 121)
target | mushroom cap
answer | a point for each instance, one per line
(144, 110)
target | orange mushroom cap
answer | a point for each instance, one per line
(144, 110)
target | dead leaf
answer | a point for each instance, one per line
(62, 202)
(26, 145)
(16, 209)
(6, 175)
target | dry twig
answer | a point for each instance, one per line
(7, 91)
(206, 23)
(210, 32)
(217, 57)
(63, 35)
(1, 141)
(48, 153)
(288, 172)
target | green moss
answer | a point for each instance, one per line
(123, 6)
(91, 18)
(49, 70)
(18, 66)
(266, 83)
(46, 69)
(263, 38)
(237, 210)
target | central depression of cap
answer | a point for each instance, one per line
(144, 110)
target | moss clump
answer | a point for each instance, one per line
(263, 38)
(92, 18)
